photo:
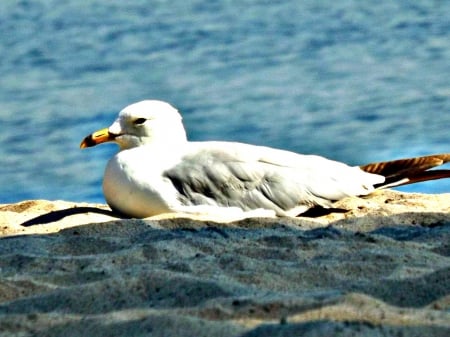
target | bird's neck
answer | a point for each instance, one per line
(159, 141)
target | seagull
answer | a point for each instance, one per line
(158, 171)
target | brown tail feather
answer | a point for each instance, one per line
(409, 170)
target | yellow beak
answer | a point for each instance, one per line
(98, 137)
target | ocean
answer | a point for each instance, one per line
(355, 81)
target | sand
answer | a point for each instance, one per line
(380, 269)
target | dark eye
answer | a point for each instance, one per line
(139, 121)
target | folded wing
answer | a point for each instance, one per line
(252, 177)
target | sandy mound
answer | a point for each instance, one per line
(380, 269)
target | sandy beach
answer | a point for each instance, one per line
(381, 268)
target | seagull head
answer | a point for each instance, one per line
(142, 123)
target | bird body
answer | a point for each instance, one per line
(157, 170)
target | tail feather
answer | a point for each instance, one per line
(410, 170)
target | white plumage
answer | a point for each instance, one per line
(157, 170)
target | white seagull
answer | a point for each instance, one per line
(157, 170)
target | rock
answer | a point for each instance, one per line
(381, 268)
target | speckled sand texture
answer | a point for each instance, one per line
(381, 269)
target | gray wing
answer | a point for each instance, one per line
(252, 177)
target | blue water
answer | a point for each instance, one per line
(356, 81)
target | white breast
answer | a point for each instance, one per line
(133, 184)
